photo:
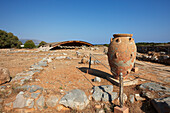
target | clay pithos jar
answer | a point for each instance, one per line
(121, 54)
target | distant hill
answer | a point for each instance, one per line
(35, 41)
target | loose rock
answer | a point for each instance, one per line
(35, 95)
(101, 111)
(42, 63)
(147, 94)
(138, 97)
(75, 99)
(106, 88)
(40, 103)
(36, 67)
(132, 99)
(97, 79)
(60, 57)
(34, 88)
(97, 95)
(114, 95)
(4, 75)
(106, 97)
(52, 101)
(19, 101)
(49, 60)
(29, 103)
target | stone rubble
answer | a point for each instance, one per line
(162, 58)
(104, 93)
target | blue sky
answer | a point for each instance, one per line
(94, 21)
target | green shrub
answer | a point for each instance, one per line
(8, 40)
(42, 43)
(29, 44)
(107, 45)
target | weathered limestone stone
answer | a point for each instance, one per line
(49, 60)
(84, 60)
(60, 57)
(19, 101)
(138, 97)
(40, 102)
(104, 93)
(52, 101)
(106, 97)
(106, 88)
(34, 88)
(132, 99)
(124, 97)
(35, 95)
(4, 75)
(154, 87)
(36, 67)
(114, 95)
(97, 95)
(25, 87)
(97, 79)
(64, 53)
(29, 103)
(147, 94)
(75, 99)
(42, 63)
(101, 111)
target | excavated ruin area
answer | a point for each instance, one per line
(66, 72)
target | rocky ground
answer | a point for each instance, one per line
(59, 81)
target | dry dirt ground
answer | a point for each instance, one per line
(64, 75)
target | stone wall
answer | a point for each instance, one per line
(145, 49)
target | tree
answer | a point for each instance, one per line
(8, 40)
(107, 45)
(19, 44)
(29, 44)
(42, 43)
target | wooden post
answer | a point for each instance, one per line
(121, 89)
(90, 62)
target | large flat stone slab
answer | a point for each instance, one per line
(126, 82)
(154, 87)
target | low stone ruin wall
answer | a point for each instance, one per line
(165, 59)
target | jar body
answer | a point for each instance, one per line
(121, 54)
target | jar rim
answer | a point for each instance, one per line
(122, 35)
